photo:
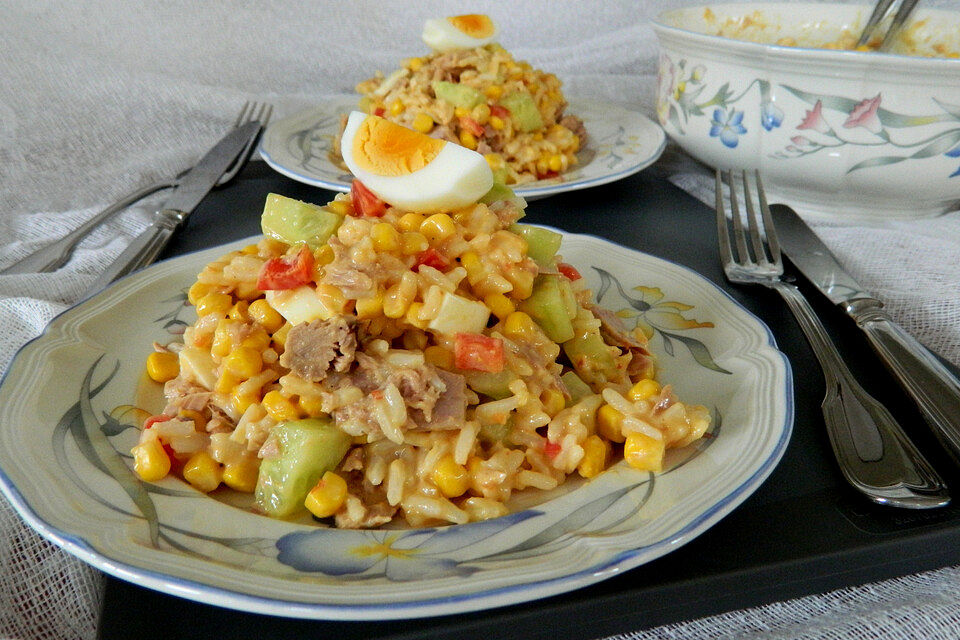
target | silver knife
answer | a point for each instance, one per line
(192, 188)
(932, 386)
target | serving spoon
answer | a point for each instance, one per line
(879, 13)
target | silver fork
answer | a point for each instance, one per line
(52, 256)
(873, 452)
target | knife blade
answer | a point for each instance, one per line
(931, 385)
(191, 190)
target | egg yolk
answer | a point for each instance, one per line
(387, 149)
(474, 25)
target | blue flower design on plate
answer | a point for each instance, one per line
(954, 153)
(771, 116)
(728, 126)
(397, 555)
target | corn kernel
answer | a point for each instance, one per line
(413, 242)
(326, 498)
(414, 64)
(226, 382)
(596, 450)
(242, 401)
(499, 304)
(332, 297)
(280, 335)
(242, 476)
(422, 123)
(199, 422)
(398, 298)
(222, 342)
(556, 162)
(481, 113)
(248, 291)
(495, 160)
(239, 310)
(522, 282)
(370, 307)
(197, 291)
(266, 316)
(279, 406)
(396, 107)
(608, 423)
(150, 461)
(163, 366)
(496, 122)
(470, 261)
(413, 315)
(250, 250)
(461, 112)
(494, 91)
(552, 401)
(410, 221)
(643, 390)
(340, 207)
(519, 324)
(438, 227)
(438, 356)
(468, 140)
(643, 452)
(214, 302)
(243, 362)
(542, 165)
(203, 472)
(451, 478)
(312, 406)
(385, 237)
(323, 256)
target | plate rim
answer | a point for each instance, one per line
(525, 191)
(484, 599)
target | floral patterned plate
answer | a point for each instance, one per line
(67, 425)
(620, 144)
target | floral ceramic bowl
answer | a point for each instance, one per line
(836, 133)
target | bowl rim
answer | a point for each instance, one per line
(718, 42)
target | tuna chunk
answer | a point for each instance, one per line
(315, 348)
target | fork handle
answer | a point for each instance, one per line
(935, 390)
(874, 453)
(142, 251)
(55, 255)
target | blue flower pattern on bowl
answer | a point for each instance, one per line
(832, 121)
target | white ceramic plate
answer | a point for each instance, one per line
(620, 143)
(64, 438)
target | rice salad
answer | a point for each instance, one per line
(469, 90)
(368, 363)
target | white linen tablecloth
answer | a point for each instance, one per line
(100, 96)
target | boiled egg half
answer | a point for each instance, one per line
(459, 32)
(410, 170)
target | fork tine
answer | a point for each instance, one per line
(242, 116)
(738, 234)
(755, 239)
(768, 227)
(723, 233)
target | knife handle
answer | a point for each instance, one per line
(872, 450)
(142, 251)
(935, 390)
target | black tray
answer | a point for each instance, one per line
(804, 531)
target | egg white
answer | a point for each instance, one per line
(455, 178)
(441, 36)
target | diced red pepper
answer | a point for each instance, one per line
(500, 112)
(471, 125)
(432, 258)
(551, 450)
(547, 176)
(569, 271)
(365, 202)
(152, 420)
(286, 273)
(379, 111)
(478, 352)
